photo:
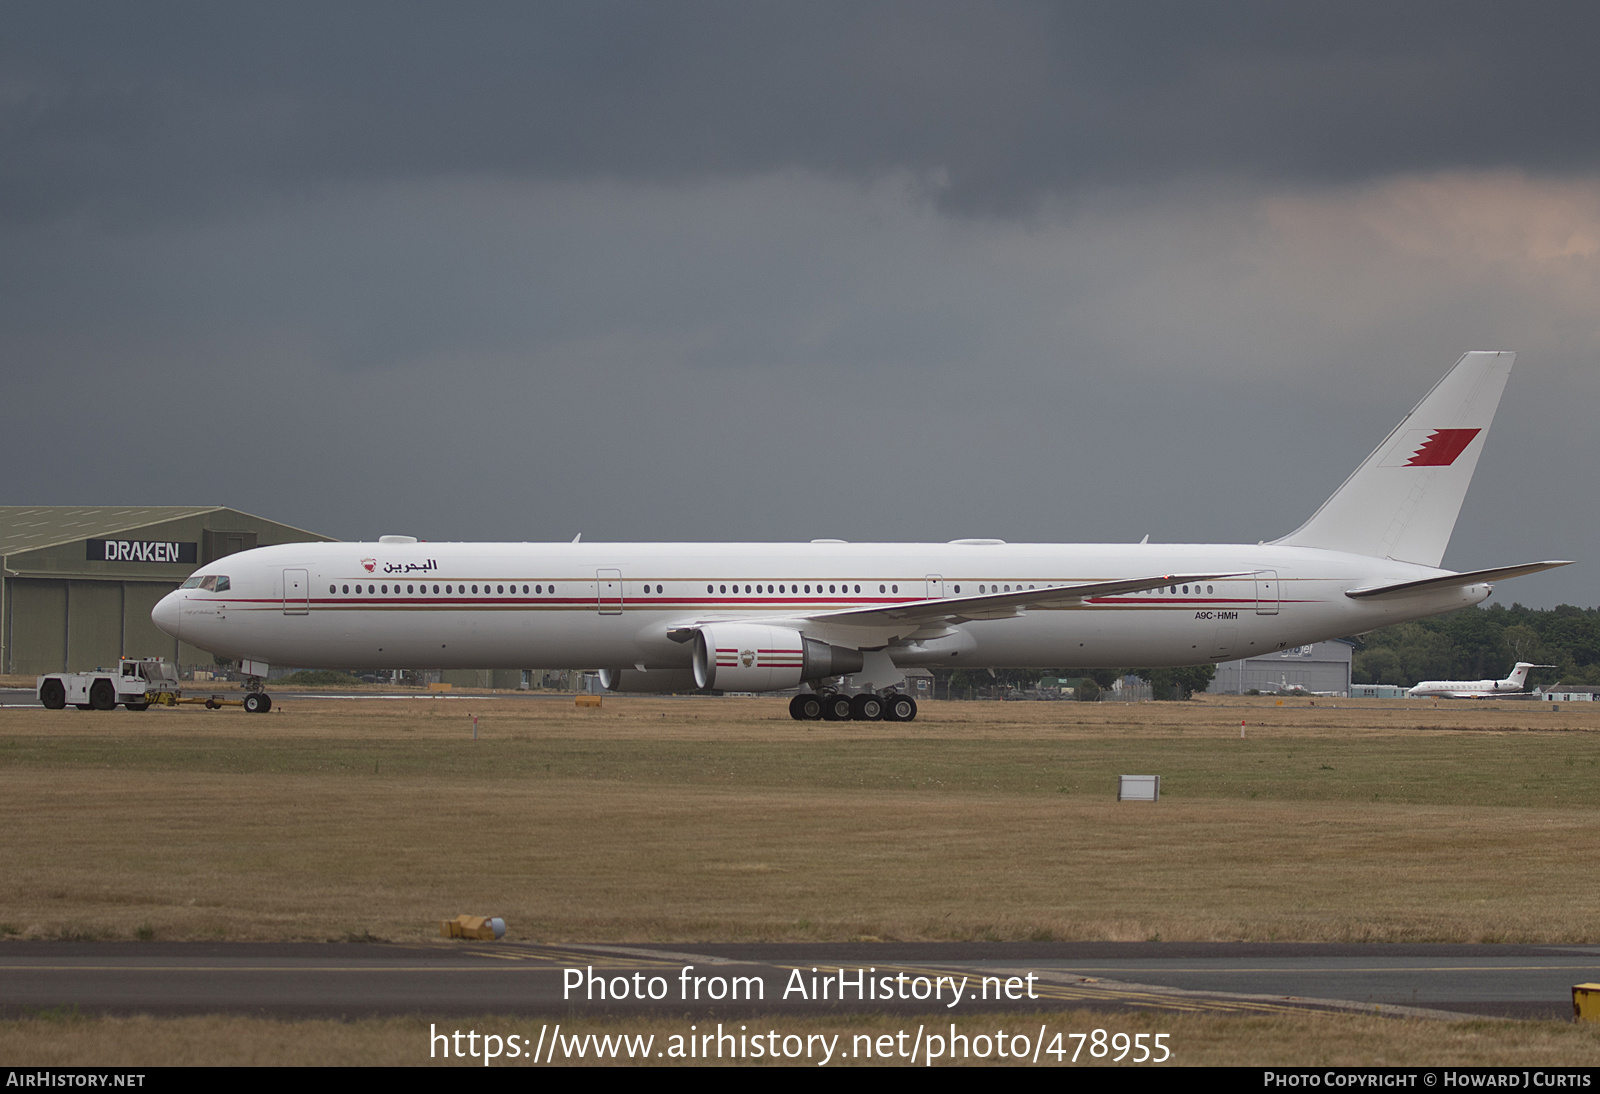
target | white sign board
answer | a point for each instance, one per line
(1139, 788)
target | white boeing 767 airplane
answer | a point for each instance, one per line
(774, 616)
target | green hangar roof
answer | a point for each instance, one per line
(30, 527)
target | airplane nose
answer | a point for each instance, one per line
(167, 612)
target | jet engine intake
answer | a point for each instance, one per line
(760, 657)
(657, 681)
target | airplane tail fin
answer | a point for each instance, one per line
(1402, 502)
(1519, 675)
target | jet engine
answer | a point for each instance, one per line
(759, 657)
(659, 681)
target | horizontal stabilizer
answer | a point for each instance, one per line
(1452, 581)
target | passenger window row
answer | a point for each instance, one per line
(219, 584)
(791, 589)
(449, 590)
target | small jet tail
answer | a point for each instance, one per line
(1402, 502)
(1519, 675)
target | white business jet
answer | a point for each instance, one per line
(1286, 688)
(1477, 689)
(774, 616)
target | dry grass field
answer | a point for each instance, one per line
(722, 819)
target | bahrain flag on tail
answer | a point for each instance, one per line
(1429, 447)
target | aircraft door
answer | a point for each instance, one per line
(935, 587)
(296, 592)
(1223, 641)
(608, 591)
(1267, 592)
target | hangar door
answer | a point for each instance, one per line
(36, 627)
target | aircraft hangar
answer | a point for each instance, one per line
(77, 582)
(1318, 667)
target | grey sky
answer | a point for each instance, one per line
(917, 271)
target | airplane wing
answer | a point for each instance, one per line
(961, 609)
(1449, 581)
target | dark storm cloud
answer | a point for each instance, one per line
(151, 108)
(652, 271)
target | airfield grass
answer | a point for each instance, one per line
(722, 820)
(64, 1038)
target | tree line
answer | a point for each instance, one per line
(1164, 683)
(1484, 643)
(1470, 644)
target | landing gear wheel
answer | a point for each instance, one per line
(866, 707)
(806, 707)
(102, 695)
(53, 694)
(836, 708)
(900, 708)
(137, 706)
(257, 702)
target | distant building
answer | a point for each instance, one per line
(77, 582)
(1378, 691)
(1320, 667)
(1568, 693)
(498, 679)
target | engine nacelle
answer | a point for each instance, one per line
(760, 657)
(659, 681)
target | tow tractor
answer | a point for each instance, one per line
(137, 683)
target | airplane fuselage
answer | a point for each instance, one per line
(618, 605)
(1464, 689)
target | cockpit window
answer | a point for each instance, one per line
(192, 583)
(214, 583)
(223, 584)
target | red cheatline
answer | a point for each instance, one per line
(1442, 447)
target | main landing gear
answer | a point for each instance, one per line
(836, 706)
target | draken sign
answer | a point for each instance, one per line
(142, 550)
